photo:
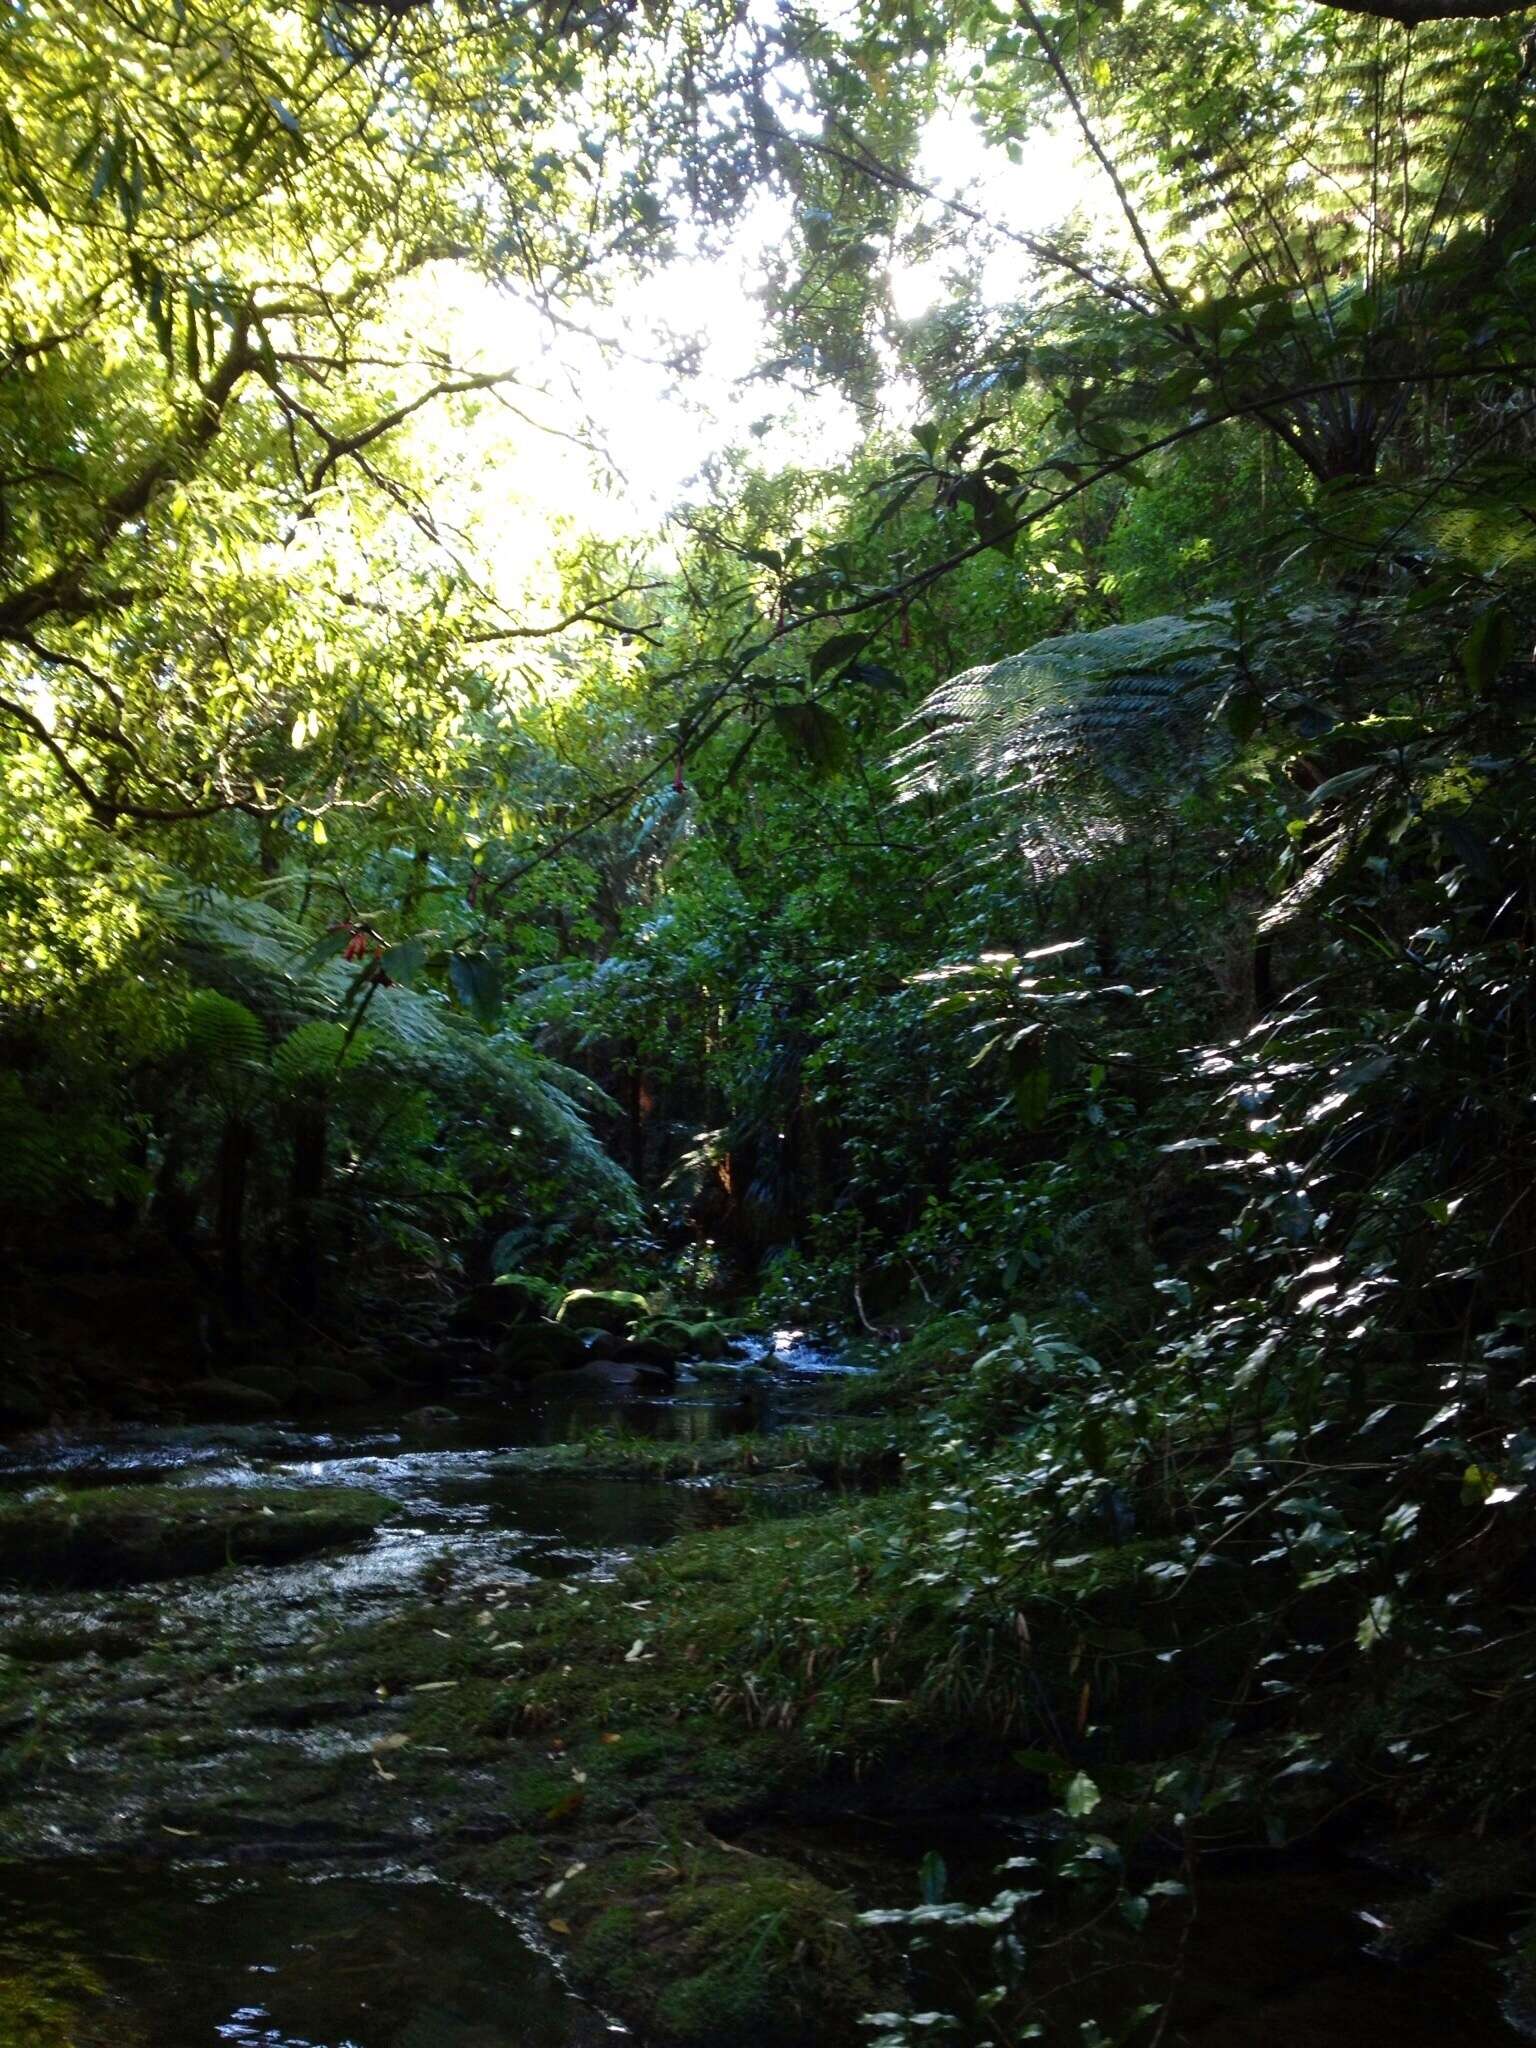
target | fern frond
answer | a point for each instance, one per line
(250, 952)
(1120, 709)
(222, 1032)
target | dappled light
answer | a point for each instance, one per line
(767, 1049)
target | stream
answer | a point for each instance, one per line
(292, 1949)
(175, 1952)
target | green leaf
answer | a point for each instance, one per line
(1081, 1796)
(836, 653)
(814, 734)
(1244, 709)
(1032, 1096)
(1489, 646)
(328, 948)
(476, 982)
(404, 962)
(932, 1878)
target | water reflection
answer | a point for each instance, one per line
(172, 1956)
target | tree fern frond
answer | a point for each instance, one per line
(1117, 707)
(250, 952)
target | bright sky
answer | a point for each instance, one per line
(656, 426)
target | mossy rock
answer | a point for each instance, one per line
(540, 1348)
(21, 1403)
(274, 1380)
(646, 1351)
(601, 1308)
(703, 1948)
(217, 1396)
(123, 1535)
(335, 1388)
(727, 1369)
(514, 1298)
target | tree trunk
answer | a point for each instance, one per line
(306, 1182)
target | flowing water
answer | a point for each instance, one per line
(185, 1954)
(102, 1952)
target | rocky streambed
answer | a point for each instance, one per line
(266, 1773)
(394, 1734)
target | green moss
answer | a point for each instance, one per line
(59, 2002)
(601, 1308)
(705, 1946)
(115, 1536)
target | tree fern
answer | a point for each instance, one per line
(1075, 730)
(252, 953)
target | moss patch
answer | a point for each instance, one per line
(711, 1947)
(119, 1536)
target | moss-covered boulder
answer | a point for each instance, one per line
(122, 1535)
(524, 1353)
(646, 1351)
(275, 1381)
(685, 1340)
(219, 1396)
(511, 1299)
(333, 1387)
(22, 1402)
(602, 1308)
(707, 1948)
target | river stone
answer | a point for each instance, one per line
(686, 1340)
(599, 1308)
(231, 1397)
(337, 1389)
(489, 1310)
(125, 1535)
(542, 1347)
(646, 1351)
(23, 1404)
(275, 1380)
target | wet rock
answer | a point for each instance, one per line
(709, 1369)
(686, 1340)
(275, 1380)
(22, 1405)
(1463, 1891)
(1520, 1995)
(543, 1347)
(514, 1298)
(600, 1308)
(432, 1417)
(647, 1351)
(336, 1388)
(602, 1376)
(118, 1536)
(229, 1397)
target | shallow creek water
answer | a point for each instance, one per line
(188, 1953)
